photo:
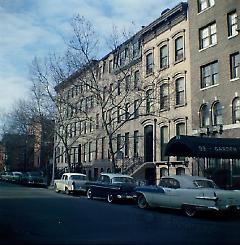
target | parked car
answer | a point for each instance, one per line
(111, 187)
(16, 177)
(189, 193)
(7, 176)
(33, 178)
(71, 182)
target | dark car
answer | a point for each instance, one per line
(34, 178)
(111, 187)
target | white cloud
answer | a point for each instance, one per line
(34, 27)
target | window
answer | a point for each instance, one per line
(236, 110)
(127, 114)
(164, 141)
(103, 148)
(204, 116)
(135, 143)
(232, 24)
(163, 96)
(126, 145)
(235, 65)
(204, 4)
(127, 83)
(217, 114)
(119, 139)
(180, 91)
(180, 171)
(96, 149)
(136, 49)
(149, 101)
(163, 57)
(149, 63)
(209, 74)
(208, 36)
(90, 151)
(97, 121)
(179, 49)
(84, 153)
(136, 108)
(122, 58)
(136, 79)
(110, 66)
(180, 129)
(118, 87)
(119, 114)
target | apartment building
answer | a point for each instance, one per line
(126, 106)
(215, 75)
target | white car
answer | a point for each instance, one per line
(189, 193)
(71, 182)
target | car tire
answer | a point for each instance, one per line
(142, 202)
(55, 188)
(67, 191)
(190, 211)
(110, 198)
(89, 194)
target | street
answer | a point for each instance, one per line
(30, 215)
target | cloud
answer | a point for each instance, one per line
(35, 27)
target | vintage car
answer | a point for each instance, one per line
(112, 187)
(189, 193)
(70, 183)
(33, 178)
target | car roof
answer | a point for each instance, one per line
(70, 174)
(111, 175)
(186, 181)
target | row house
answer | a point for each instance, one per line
(131, 103)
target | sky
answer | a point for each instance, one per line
(30, 28)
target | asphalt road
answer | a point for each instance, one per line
(31, 215)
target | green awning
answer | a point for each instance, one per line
(194, 146)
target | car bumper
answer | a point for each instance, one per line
(125, 196)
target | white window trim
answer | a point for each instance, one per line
(212, 86)
(230, 37)
(234, 79)
(210, 46)
(206, 9)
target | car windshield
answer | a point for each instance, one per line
(122, 180)
(204, 184)
(78, 177)
(35, 174)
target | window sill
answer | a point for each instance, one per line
(210, 46)
(212, 86)
(179, 61)
(230, 37)
(163, 68)
(149, 74)
(206, 9)
(181, 105)
(234, 79)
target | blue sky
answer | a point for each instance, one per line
(30, 28)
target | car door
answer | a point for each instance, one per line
(172, 192)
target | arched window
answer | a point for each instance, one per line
(236, 110)
(180, 91)
(149, 63)
(179, 49)
(149, 101)
(180, 171)
(164, 141)
(163, 57)
(217, 114)
(204, 116)
(163, 172)
(180, 128)
(163, 96)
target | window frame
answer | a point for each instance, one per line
(211, 75)
(209, 37)
(234, 68)
(163, 60)
(236, 110)
(179, 52)
(149, 63)
(217, 114)
(204, 121)
(180, 93)
(163, 99)
(232, 32)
